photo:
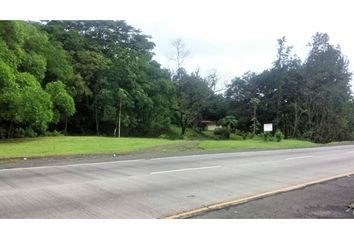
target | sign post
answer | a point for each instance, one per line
(268, 127)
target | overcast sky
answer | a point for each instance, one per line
(231, 37)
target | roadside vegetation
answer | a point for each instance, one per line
(253, 144)
(62, 145)
(99, 78)
(169, 142)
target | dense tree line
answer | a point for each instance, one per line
(99, 77)
(81, 76)
(311, 99)
(33, 93)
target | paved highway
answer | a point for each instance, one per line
(160, 187)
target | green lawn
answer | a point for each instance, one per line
(252, 144)
(54, 146)
(58, 146)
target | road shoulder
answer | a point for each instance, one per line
(328, 200)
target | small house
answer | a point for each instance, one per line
(207, 125)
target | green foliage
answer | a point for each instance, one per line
(63, 103)
(255, 102)
(255, 123)
(26, 62)
(219, 131)
(111, 55)
(34, 108)
(311, 99)
(54, 133)
(228, 122)
(92, 60)
(104, 73)
(223, 133)
(192, 93)
(243, 135)
(267, 136)
(279, 135)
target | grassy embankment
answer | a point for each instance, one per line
(54, 146)
(59, 146)
(252, 144)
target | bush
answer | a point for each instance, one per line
(279, 135)
(55, 133)
(307, 135)
(3, 133)
(19, 133)
(223, 133)
(267, 136)
(243, 135)
(218, 131)
(164, 136)
(29, 132)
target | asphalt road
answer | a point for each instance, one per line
(160, 187)
(326, 200)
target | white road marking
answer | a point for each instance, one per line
(184, 169)
(292, 158)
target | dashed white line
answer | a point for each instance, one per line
(184, 169)
(292, 158)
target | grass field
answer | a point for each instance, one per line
(252, 144)
(59, 146)
(54, 146)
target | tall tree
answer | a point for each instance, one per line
(254, 102)
(27, 108)
(327, 91)
(63, 103)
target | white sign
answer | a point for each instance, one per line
(268, 127)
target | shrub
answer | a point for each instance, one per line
(3, 133)
(29, 132)
(279, 135)
(267, 136)
(164, 136)
(55, 133)
(243, 135)
(19, 133)
(218, 131)
(223, 133)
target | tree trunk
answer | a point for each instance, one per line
(296, 120)
(181, 122)
(9, 133)
(116, 120)
(183, 130)
(96, 119)
(183, 125)
(254, 120)
(66, 125)
(119, 117)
